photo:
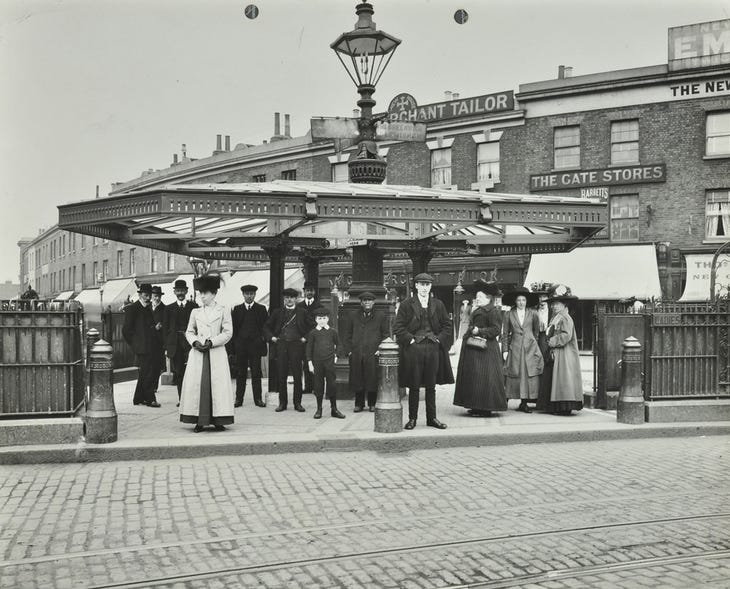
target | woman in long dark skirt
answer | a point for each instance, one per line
(546, 378)
(480, 376)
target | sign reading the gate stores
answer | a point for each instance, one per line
(609, 176)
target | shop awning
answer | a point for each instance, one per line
(601, 272)
(230, 292)
(697, 287)
(64, 296)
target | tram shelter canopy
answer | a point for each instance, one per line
(284, 221)
(238, 221)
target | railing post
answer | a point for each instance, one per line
(388, 409)
(630, 399)
(101, 415)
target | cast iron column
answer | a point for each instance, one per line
(388, 408)
(101, 415)
(630, 398)
(277, 257)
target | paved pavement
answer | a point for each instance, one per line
(625, 513)
(153, 433)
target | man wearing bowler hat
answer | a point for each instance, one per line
(249, 343)
(287, 329)
(177, 315)
(310, 304)
(423, 330)
(138, 331)
(361, 334)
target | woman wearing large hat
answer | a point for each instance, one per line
(207, 394)
(566, 391)
(520, 348)
(480, 378)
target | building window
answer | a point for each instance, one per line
(83, 241)
(120, 268)
(625, 217)
(83, 275)
(289, 175)
(441, 167)
(94, 240)
(566, 142)
(488, 162)
(340, 172)
(95, 273)
(717, 214)
(258, 178)
(624, 142)
(73, 242)
(153, 262)
(104, 270)
(131, 261)
(73, 278)
(170, 262)
(718, 133)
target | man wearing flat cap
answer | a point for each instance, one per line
(310, 304)
(177, 316)
(287, 329)
(249, 343)
(138, 331)
(361, 334)
(423, 330)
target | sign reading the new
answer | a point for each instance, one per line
(699, 45)
(599, 177)
(404, 108)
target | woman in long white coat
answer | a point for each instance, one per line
(207, 394)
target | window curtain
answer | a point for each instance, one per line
(711, 217)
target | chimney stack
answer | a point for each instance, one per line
(287, 131)
(447, 95)
(568, 71)
(277, 124)
(184, 152)
(97, 191)
(218, 139)
(454, 95)
(228, 143)
(174, 159)
(561, 72)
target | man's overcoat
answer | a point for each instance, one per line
(361, 335)
(406, 323)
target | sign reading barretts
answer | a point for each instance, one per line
(599, 177)
(404, 108)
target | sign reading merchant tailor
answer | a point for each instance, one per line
(599, 177)
(404, 108)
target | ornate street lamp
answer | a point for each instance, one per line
(365, 53)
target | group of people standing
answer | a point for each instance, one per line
(521, 354)
(152, 329)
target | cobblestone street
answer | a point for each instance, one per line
(637, 513)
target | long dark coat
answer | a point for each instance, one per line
(175, 323)
(247, 343)
(275, 322)
(158, 349)
(360, 336)
(406, 323)
(520, 340)
(138, 327)
(480, 376)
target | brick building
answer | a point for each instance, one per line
(653, 141)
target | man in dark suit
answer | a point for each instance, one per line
(177, 315)
(249, 343)
(138, 329)
(287, 328)
(361, 334)
(310, 304)
(158, 344)
(423, 330)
